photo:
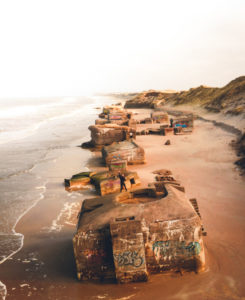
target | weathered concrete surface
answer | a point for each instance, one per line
(132, 123)
(160, 117)
(147, 121)
(119, 117)
(93, 253)
(106, 182)
(126, 150)
(171, 228)
(101, 121)
(154, 130)
(184, 121)
(109, 133)
(78, 180)
(184, 125)
(109, 182)
(167, 130)
(115, 114)
(117, 165)
(128, 251)
(112, 109)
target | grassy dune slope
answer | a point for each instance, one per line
(228, 99)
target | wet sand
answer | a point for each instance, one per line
(202, 161)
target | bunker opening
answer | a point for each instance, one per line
(139, 196)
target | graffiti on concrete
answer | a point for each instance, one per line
(94, 252)
(129, 258)
(175, 248)
(117, 156)
(118, 165)
(94, 255)
(111, 183)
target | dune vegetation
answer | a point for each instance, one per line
(229, 99)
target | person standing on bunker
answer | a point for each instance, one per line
(122, 181)
(171, 122)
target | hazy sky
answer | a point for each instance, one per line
(75, 47)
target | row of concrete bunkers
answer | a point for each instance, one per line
(129, 235)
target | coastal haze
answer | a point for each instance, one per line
(55, 56)
(71, 48)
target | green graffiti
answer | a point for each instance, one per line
(118, 166)
(176, 248)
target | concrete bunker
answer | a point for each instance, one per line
(127, 151)
(108, 182)
(129, 241)
(160, 117)
(105, 182)
(79, 180)
(115, 115)
(119, 117)
(112, 109)
(117, 164)
(166, 130)
(108, 133)
(183, 125)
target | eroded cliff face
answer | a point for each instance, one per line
(229, 99)
(149, 99)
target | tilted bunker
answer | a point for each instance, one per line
(108, 182)
(115, 115)
(121, 151)
(109, 133)
(105, 182)
(112, 108)
(184, 124)
(119, 117)
(130, 235)
(78, 180)
(160, 117)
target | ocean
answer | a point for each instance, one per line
(31, 132)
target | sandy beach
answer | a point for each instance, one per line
(204, 163)
(122, 150)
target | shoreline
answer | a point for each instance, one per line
(16, 224)
(17, 244)
(89, 106)
(70, 286)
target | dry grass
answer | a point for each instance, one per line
(229, 99)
